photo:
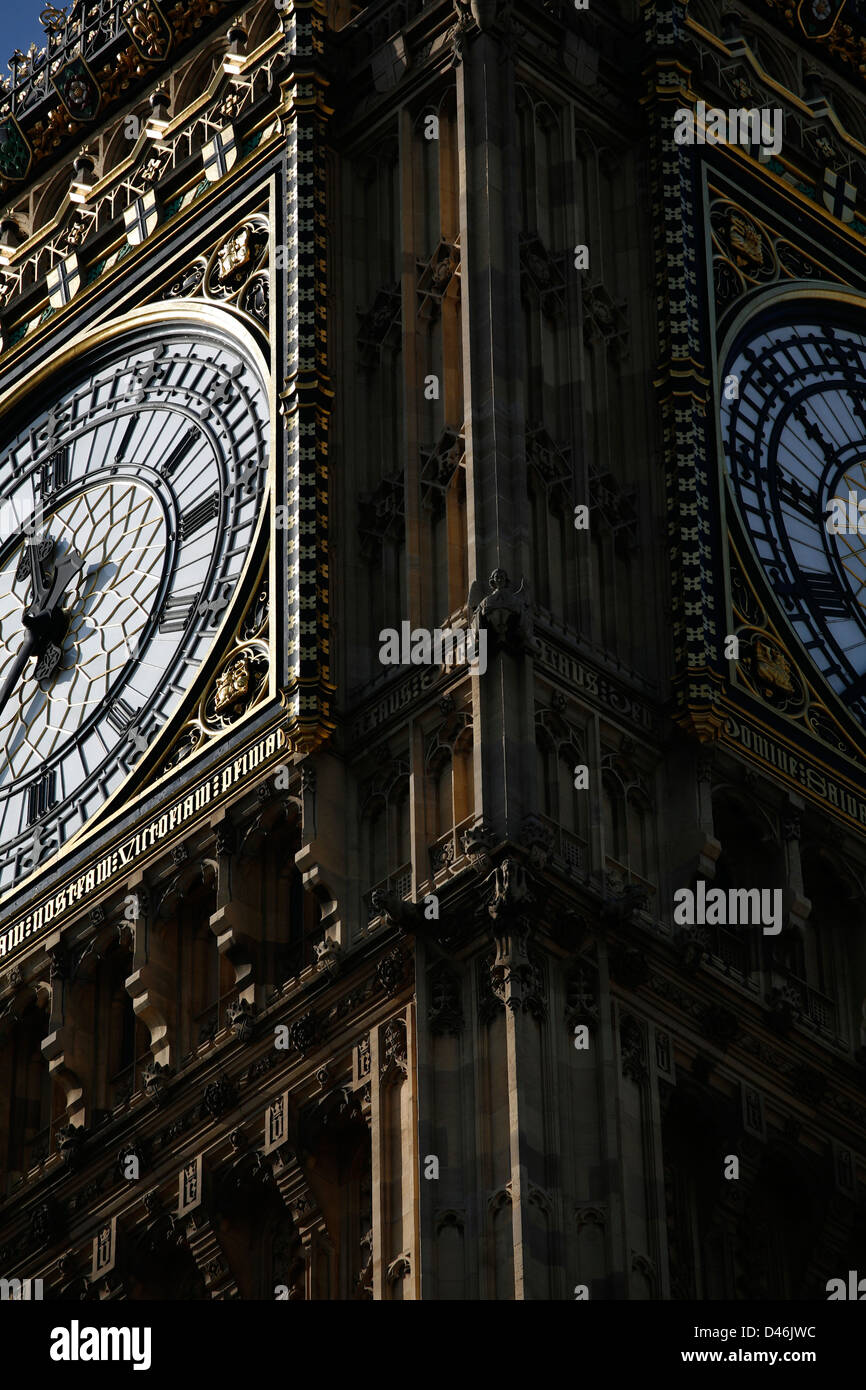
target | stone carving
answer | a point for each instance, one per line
(489, 1002)
(391, 972)
(541, 275)
(477, 845)
(537, 838)
(582, 1001)
(439, 463)
(70, 1141)
(61, 963)
(399, 1268)
(605, 319)
(241, 1019)
(155, 1079)
(381, 325)
(692, 946)
(219, 1096)
(395, 1066)
(45, 1224)
(304, 1032)
(621, 908)
(511, 894)
(633, 1049)
(382, 517)
(408, 917)
(615, 506)
(517, 975)
(328, 953)
(502, 611)
(445, 1013)
(434, 277)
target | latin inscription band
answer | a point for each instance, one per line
(119, 860)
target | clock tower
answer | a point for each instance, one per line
(419, 424)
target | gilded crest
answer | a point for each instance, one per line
(773, 667)
(745, 240)
(232, 685)
(234, 253)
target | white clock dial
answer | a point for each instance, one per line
(127, 512)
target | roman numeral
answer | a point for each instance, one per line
(168, 466)
(177, 612)
(767, 370)
(813, 431)
(54, 474)
(199, 516)
(799, 498)
(857, 406)
(120, 715)
(822, 592)
(120, 456)
(41, 796)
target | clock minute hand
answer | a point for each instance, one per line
(36, 571)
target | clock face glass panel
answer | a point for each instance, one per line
(795, 440)
(131, 499)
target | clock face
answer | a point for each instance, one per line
(127, 510)
(795, 440)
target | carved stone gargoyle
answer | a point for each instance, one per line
(484, 12)
(155, 1078)
(511, 894)
(502, 611)
(409, 917)
(70, 1140)
(478, 841)
(633, 898)
(241, 1019)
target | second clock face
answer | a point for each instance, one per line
(127, 511)
(795, 439)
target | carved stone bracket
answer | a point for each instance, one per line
(542, 276)
(381, 325)
(633, 1049)
(395, 1067)
(399, 1268)
(208, 1255)
(582, 1000)
(434, 278)
(382, 517)
(439, 463)
(445, 1014)
(605, 320)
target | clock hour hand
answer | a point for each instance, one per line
(25, 651)
(65, 571)
(44, 619)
